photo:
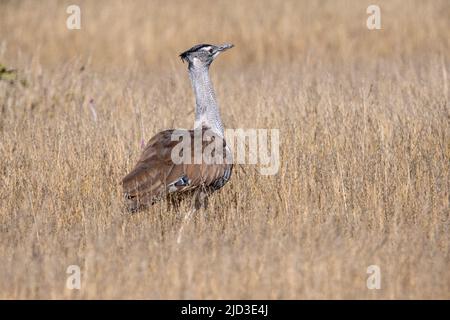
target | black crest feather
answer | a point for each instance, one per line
(185, 54)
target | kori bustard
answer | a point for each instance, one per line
(156, 175)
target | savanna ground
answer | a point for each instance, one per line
(365, 149)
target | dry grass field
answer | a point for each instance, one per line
(364, 122)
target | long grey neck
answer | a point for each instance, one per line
(206, 109)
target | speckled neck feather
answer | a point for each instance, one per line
(206, 110)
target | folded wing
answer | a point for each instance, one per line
(156, 175)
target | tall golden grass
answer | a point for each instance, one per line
(365, 150)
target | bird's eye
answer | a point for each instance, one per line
(210, 50)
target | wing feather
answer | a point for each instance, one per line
(155, 174)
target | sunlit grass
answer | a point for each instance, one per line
(364, 126)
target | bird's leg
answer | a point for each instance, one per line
(188, 215)
(186, 220)
(199, 201)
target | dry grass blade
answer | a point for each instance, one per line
(365, 150)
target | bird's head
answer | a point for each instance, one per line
(202, 55)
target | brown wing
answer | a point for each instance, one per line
(155, 175)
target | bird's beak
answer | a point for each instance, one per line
(224, 47)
